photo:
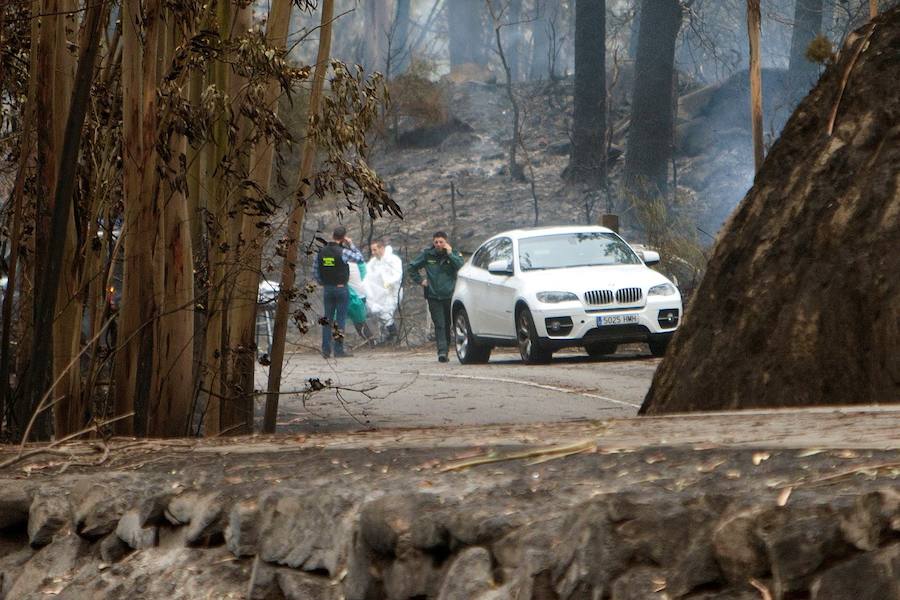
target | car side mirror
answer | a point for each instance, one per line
(650, 257)
(500, 267)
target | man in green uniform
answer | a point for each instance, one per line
(441, 262)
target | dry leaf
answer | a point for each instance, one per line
(810, 452)
(759, 457)
(733, 474)
(847, 454)
(784, 495)
(655, 458)
(710, 467)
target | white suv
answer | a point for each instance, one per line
(548, 288)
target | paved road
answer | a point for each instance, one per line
(411, 389)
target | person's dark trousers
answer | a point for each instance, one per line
(440, 315)
(336, 300)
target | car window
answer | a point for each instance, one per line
(574, 250)
(482, 256)
(503, 250)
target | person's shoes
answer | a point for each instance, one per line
(326, 354)
(442, 358)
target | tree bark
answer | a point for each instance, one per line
(134, 362)
(377, 28)
(261, 162)
(400, 51)
(800, 303)
(802, 72)
(61, 225)
(652, 122)
(295, 222)
(756, 120)
(466, 28)
(588, 160)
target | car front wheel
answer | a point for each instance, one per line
(468, 350)
(529, 345)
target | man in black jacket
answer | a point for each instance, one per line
(441, 262)
(332, 271)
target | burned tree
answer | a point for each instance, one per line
(802, 72)
(587, 160)
(466, 30)
(652, 120)
(799, 305)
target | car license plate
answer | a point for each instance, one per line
(603, 321)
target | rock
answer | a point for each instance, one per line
(242, 531)
(112, 548)
(15, 502)
(206, 518)
(482, 525)
(414, 574)
(798, 541)
(360, 579)
(468, 576)
(660, 534)
(590, 555)
(531, 544)
(48, 512)
(696, 568)
(383, 521)
(307, 529)
(862, 523)
(180, 508)
(296, 585)
(639, 583)
(738, 549)
(130, 531)
(431, 136)
(869, 576)
(99, 510)
(459, 141)
(58, 559)
(263, 584)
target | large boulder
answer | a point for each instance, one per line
(800, 304)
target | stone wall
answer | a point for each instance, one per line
(391, 525)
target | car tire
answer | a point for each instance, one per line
(658, 347)
(598, 349)
(529, 345)
(468, 350)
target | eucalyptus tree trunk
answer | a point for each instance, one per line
(295, 222)
(239, 292)
(242, 320)
(169, 412)
(211, 377)
(466, 29)
(134, 362)
(539, 67)
(650, 137)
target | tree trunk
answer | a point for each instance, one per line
(650, 136)
(539, 68)
(466, 27)
(514, 45)
(756, 120)
(261, 162)
(800, 303)
(134, 363)
(802, 72)
(242, 287)
(377, 28)
(169, 413)
(295, 223)
(52, 278)
(588, 160)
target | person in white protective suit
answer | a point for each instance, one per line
(384, 276)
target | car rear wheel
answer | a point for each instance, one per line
(598, 349)
(468, 350)
(529, 344)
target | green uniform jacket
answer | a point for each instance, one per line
(440, 269)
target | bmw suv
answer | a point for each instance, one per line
(549, 288)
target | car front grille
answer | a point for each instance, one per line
(598, 297)
(629, 295)
(623, 296)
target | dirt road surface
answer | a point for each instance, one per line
(382, 389)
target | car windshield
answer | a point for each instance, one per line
(586, 249)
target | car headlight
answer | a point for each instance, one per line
(554, 297)
(663, 289)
